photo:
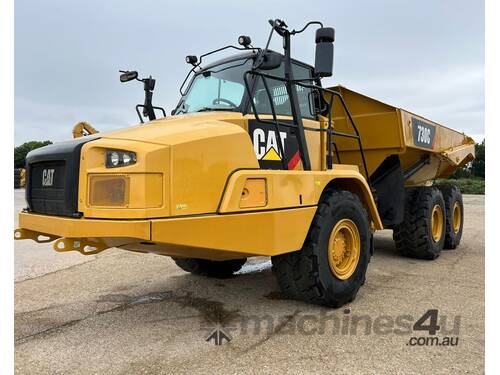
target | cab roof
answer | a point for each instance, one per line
(245, 55)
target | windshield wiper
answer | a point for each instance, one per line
(206, 109)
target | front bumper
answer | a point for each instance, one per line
(213, 236)
(78, 228)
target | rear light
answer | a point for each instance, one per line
(111, 191)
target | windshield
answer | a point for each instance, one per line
(219, 88)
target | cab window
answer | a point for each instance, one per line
(304, 94)
(279, 94)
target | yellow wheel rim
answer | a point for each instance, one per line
(437, 222)
(344, 249)
(457, 217)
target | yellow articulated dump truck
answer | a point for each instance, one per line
(257, 159)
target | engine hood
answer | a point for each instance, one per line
(179, 129)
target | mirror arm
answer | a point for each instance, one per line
(148, 110)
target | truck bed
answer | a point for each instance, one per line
(387, 130)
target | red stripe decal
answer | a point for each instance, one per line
(294, 161)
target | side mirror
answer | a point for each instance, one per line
(323, 65)
(127, 76)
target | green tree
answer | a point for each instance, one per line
(479, 162)
(21, 151)
(474, 169)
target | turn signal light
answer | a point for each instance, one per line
(112, 191)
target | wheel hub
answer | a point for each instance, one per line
(457, 217)
(437, 222)
(344, 249)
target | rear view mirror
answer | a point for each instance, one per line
(127, 76)
(323, 66)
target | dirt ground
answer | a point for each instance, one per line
(121, 312)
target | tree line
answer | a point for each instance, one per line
(21, 151)
(474, 169)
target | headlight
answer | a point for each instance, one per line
(118, 158)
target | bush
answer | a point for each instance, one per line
(466, 185)
(476, 167)
(21, 151)
(479, 162)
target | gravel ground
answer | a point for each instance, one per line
(121, 312)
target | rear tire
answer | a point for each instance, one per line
(323, 273)
(454, 215)
(211, 268)
(419, 235)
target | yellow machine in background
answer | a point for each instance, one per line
(83, 129)
(257, 159)
(19, 178)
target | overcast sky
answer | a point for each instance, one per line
(426, 56)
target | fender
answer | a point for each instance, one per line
(279, 189)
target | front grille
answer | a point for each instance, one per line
(52, 178)
(47, 187)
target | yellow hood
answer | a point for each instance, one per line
(182, 128)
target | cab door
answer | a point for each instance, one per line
(264, 135)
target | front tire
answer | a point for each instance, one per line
(210, 268)
(331, 267)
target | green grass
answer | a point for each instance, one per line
(466, 185)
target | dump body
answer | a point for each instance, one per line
(434, 150)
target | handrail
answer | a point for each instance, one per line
(329, 130)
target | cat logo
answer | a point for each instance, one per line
(265, 138)
(48, 177)
(265, 144)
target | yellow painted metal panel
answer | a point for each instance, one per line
(288, 189)
(199, 169)
(75, 228)
(254, 193)
(386, 130)
(149, 179)
(178, 129)
(285, 189)
(194, 168)
(257, 233)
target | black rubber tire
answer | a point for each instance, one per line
(283, 266)
(452, 194)
(306, 274)
(413, 237)
(211, 268)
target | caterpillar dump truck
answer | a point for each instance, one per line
(257, 159)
